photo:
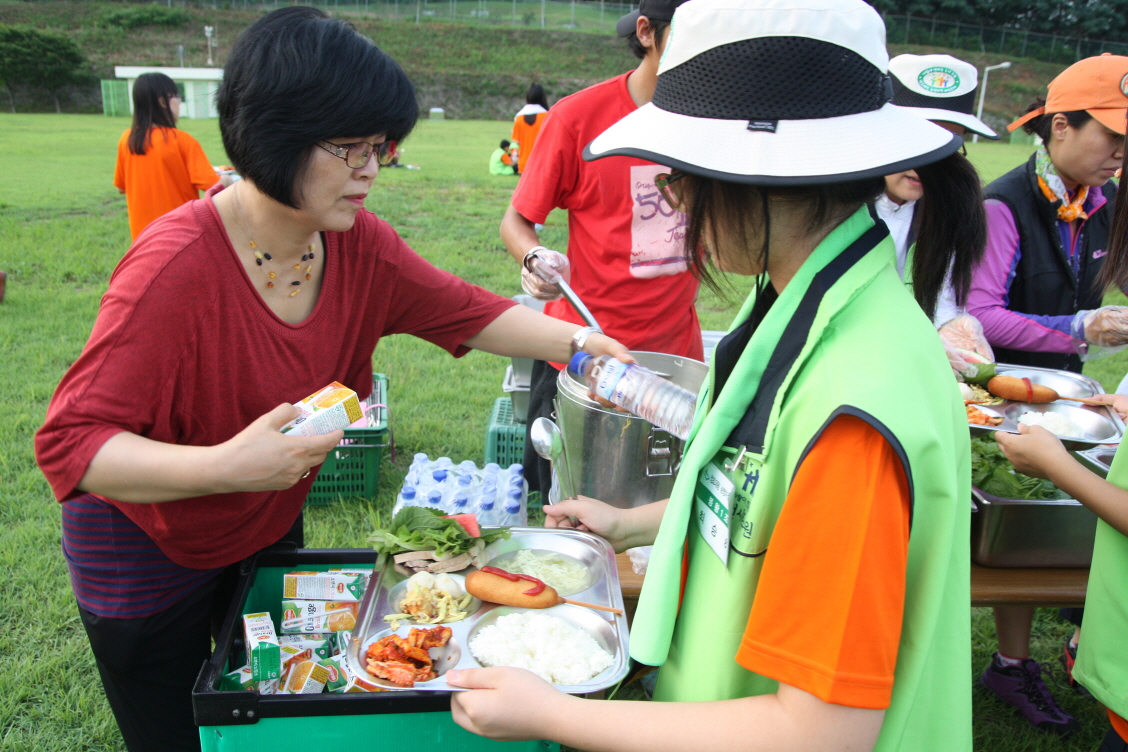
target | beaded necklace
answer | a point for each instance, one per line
(272, 267)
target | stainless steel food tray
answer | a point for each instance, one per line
(608, 629)
(1101, 425)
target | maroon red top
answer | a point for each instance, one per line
(185, 351)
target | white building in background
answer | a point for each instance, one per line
(197, 87)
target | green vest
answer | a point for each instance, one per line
(1102, 657)
(843, 338)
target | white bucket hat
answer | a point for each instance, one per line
(938, 87)
(776, 92)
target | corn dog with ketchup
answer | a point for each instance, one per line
(520, 590)
(1020, 390)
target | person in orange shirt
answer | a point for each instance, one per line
(528, 121)
(158, 166)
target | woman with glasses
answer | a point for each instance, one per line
(163, 441)
(159, 167)
(809, 585)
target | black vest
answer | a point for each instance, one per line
(1044, 282)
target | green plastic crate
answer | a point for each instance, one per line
(245, 721)
(352, 470)
(505, 437)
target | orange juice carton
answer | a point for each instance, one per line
(292, 656)
(365, 573)
(340, 642)
(335, 406)
(239, 680)
(357, 684)
(319, 643)
(306, 678)
(323, 586)
(243, 680)
(303, 616)
(261, 644)
(338, 676)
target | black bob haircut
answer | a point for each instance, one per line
(296, 77)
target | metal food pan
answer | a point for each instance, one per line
(1100, 425)
(609, 630)
(1099, 458)
(1016, 533)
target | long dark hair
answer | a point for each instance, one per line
(953, 226)
(1114, 271)
(535, 95)
(148, 110)
(951, 230)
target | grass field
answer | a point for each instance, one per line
(64, 228)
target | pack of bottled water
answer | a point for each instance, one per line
(498, 496)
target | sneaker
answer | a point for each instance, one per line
(1068, 658)
(1022, 686)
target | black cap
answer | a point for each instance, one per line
(655, 10)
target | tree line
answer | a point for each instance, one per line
(1083, 19)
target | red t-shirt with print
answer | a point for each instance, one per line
(624, 240)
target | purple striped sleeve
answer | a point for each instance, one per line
(989, 295)
(117, 570)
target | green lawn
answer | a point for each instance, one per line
(64, 227)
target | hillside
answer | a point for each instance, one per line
(478, 72)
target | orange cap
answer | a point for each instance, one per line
(1098, 85)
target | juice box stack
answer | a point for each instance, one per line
(306, 654)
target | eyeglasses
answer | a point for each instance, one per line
(357, 155)
(664, 180)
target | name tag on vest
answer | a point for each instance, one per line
(711, 509)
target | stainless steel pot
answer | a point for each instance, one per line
(617, 457)
(1030, 533)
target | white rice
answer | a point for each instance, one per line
(546, 645)
(1052, 422)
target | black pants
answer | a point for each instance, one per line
(542, 391)
(148, 666)
(1113, 743)
(1072, 615)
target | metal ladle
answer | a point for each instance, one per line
(548, 442)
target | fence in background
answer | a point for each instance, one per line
(994, 39)
(586, 15)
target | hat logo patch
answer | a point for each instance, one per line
(939, 80)
(1124, 85)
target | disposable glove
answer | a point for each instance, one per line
(965, 344)
(1103, 327)
(542, 270)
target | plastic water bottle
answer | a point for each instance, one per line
(485, 511)
(460, 504)
(639, 390)
(514, 511)
(406, 498)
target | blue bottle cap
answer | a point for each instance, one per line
(439, 476)
(486, 505)
(408, 492)
(516, 469)
(435, 497)
(576, 364)
(460, 500)
(465, 479)
(492, 468)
